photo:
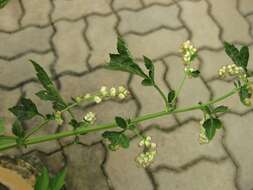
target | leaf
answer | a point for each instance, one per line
(50, 93)
(147, 82)
(244, 56)
(1, 126)
(244, 93)
(210, 126)
(150, 66)
(17, 129)
(123, 61)
(116, 138)
(25, 109)
(221, 109)
(42, 181)
(57, 182)
(240, 58)
(3, 3)
(195, 73)
(171, 96)
(121, 122)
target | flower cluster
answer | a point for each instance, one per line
(188, 51)
(90, 117)
(232, 70)
(104, 93)
(145, 158)
(58, 117)
(202, 134)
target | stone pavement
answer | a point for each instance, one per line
(72, 39)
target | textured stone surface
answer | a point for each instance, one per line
(34, 15)
(78, 8)
(73, 56)
(71, 39)
(202, 35)
(239, 24)
(132, 21)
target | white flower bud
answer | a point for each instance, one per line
(97, 99)
(103, 90)
(90, 117)
(113, 92)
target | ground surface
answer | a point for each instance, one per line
(72, 39)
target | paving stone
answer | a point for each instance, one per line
(123, 171)
(212, 62)
(35, 15)
(156, 16)
(224, 17)
(220, 88)
(102, 38)
(10, 15)
(21, 68)
(156, 44)
(238, 139)
(73, 55)
(165, 2)
(202, 35)
(203, 175)
(250, 19)
(150, 100)
(182, 145)
(193, 91)
(80, 173)
(79, 8)
(246, 6)
(29, 39)
(119, 4)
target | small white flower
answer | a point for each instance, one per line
(87, 96)
(121, 89)
(103, 90)
(90, 117)
(121, 96)
(113, 92)
(97, 99)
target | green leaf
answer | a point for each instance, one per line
(57, 182)
(150, 66)
(50, 93)
(244, 93)
(123, 61)
(147, 82)
(3, 3)
(17, 129)
(240, 58)
(42, 181)
(171, 96)
(210, 126)
(1, 126)
(121, 122)
(221, 109)
(244, 56)
(116, 139)
(25, 109)
(195, 73)
(210, 129)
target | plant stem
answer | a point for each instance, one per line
(163, 96)
(179, 88)
(82, 130)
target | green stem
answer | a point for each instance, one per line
(163, 96)
(83, 130)
(179, 88)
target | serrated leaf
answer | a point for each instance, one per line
(244, 56)
(42, 181)
(57, 182)
(121, 122)
(17, 129)
(116, 138)
(25, 109)
(123, 61)
(171, 96)
(147, 82)
(221, 109)
(2, 129)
